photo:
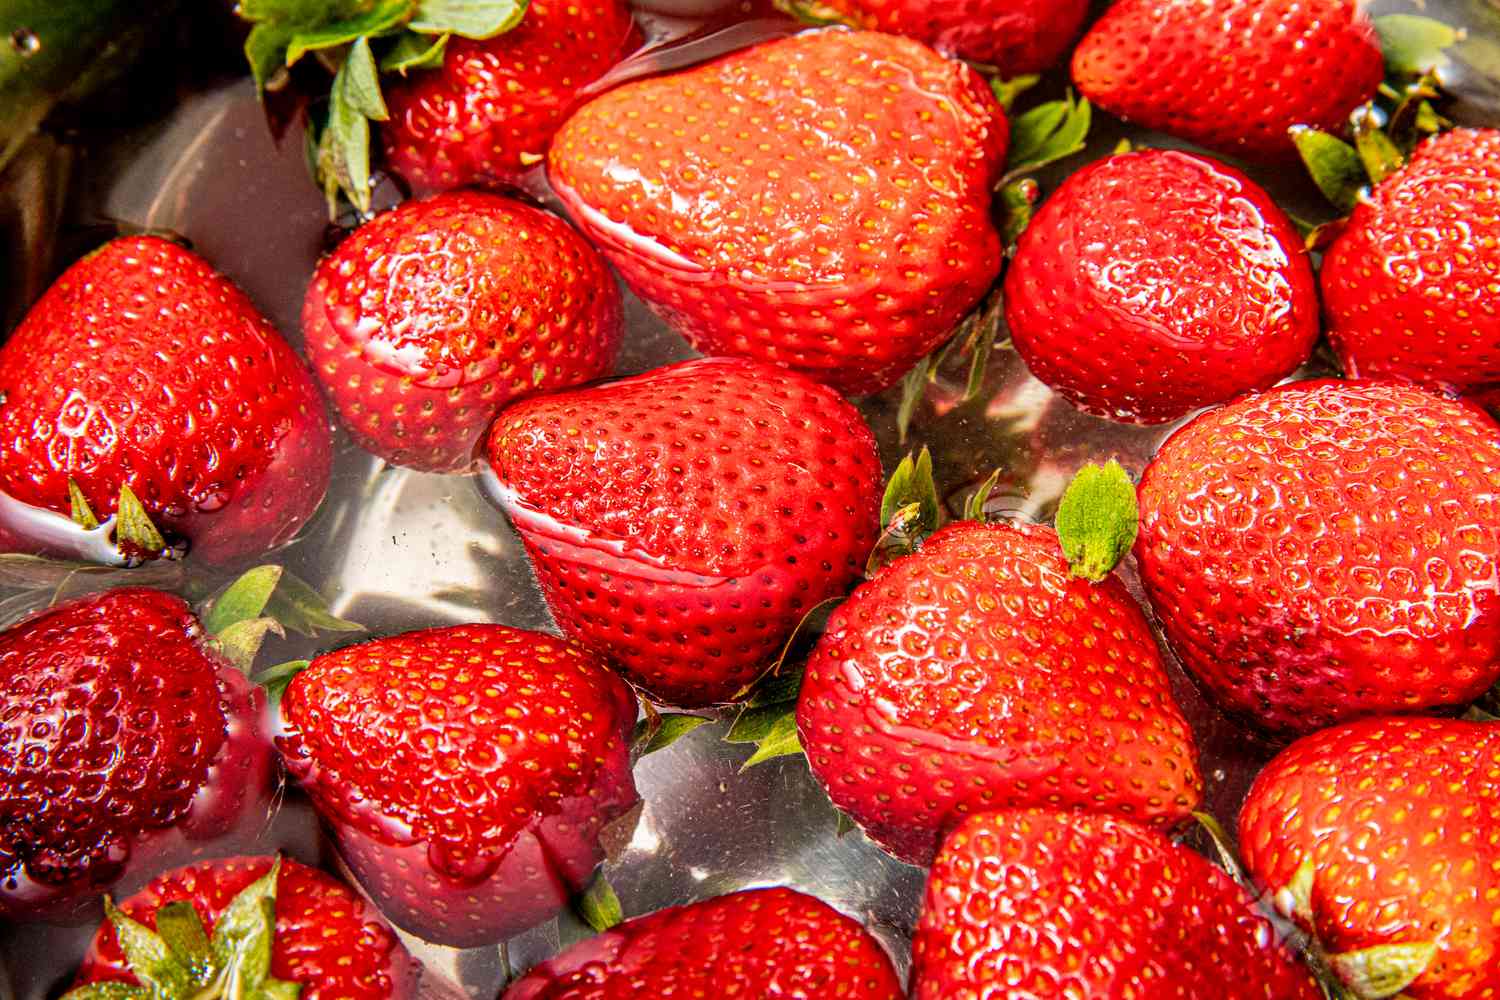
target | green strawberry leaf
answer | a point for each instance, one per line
(1414, 45)
(912, 483)
(82, 513)
(1006, 91)
(1047, 133)
(1335, 166)
(780, 741)
(980, 344)
(768, 718)
(134, 532)
(109, 991)
(843, 824)
(181, 928)
(599, 907)
(414, 51)
(1097, 519)
(242, 600)
(757, 722)
(241, 942)
(240, 643)
(478, 19)
(1379, 155)
(149, 957)
(658, 731)
(1383, 970)
(382, 17)
(913, 391)
(1017, 205)
(974, 507)
(301, 609)
(275, 679)
(344, 147)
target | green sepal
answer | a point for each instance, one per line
(81, 512)
(780, 740)
(242, 600)
(476, 19)
(178, 924)
(1412, 44)
(1122, 147)
(844, 824)
(911, 485)
(1047, 133)
(913, 391)
(1335, 166)
(278, 989)
(133, 527)
(275, 679)
(1294, 900)
(773, 700)
(109, 991)
(974, 506)
(1017, 205)
(1384, 970)
(1097, 519)
(414, 51)
(1379, 155)
(1006, 91)
(657, 730)
(149, 957)
(1224, 848)
(813, 13)
(599, 906)
(381, 17)
(301, 609)
(240, 643)
(242, 937)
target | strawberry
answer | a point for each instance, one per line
(430, 318)
(1013, 36)
(979, 672)
(142, 369)
(1327, 549)
(1409, 284)
(683, 522)
(1036, 903)
(466, 772)
(821, 201)
(1157, 282)
(124, 740)
(1382, 837)
(208, 919)
(772, 944)
(1232, 75)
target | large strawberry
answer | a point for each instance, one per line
(429, 319)
(1409, 285)
(1036, 903)
(980, 672)
(683, 522)
(1382, 837)
(466, 772)
(1232, 75)
(206, 931)
(1327, 549)
(124, 740)
(1156, 282)
(142, 369)
(820, 201)
(771, 944)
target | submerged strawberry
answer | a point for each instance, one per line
(426, 321)
(821, 202)
(466, 772)
(682, 522)
(773, 944)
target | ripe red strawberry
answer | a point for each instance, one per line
(1033, 903)
(1410, 283)
(683, 522)
(979, 672)
(772, 944)
(429, 319)
(1157, 282)
(1386, 832)
(488, 114)
(124, 742)
(1327, 549)
(325, 938)
(1232, 75)
(144, 368)
(1014, 36)
(821, 201)
(466, 772)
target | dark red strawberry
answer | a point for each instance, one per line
(466, 772)
(324, 939)
(1410, 284)
(821, 201)
(1032, 903)
(683, 522)
(488, 114)
(124, 741)
(1326, 550)
(1157, 282)
(1232, 75)
(1382, 837)
(1013, 36)
(979, 672)
(143, 368)
(432, 317)
(772, 944)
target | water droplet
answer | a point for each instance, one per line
(25, 41)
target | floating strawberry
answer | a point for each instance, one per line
(821, 201)
(125, 741)
(466, 772)
(1157, 282)
(776, 944)
(143, 373)
(429, 319)
(1232, 75)
(1033, 903)
(682, 522)
(245, 927)
(1327, 549)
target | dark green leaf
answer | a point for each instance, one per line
(780, 741)
(599, 907)
(240, 643)
(413, 51)
(1335, 166)
(912, 483)
(974, 509)
(301, 609)
(150, 959)
(242, 937)
(1377, 152)
(1413, 44)
(292, 11)
(1006, 91)
(181, 928)
(382, 17)
(1048, 133)
(673, 727)
(1097, 519)
(82, 513)
(275, 679)
(754, 724)
(242, 600)
(913, 391)
(467, 18)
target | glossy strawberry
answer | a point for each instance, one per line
(143, 367)
(1232, 75)
(124, 743)
(1386, 832)
(821, 201)
(1157, 282)
(326, 938)
(1014, 36)
(979, 672)
(488, 114)
(682, 522)
(429, 319)
(466, 772)
(1326, 550)
(1032, 903)
(1410, 283)
(774, 944)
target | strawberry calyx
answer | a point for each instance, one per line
(179, 960)
(1097, 519)
(658, 730)
(599, 906)
(136, 538)
(262, 601)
